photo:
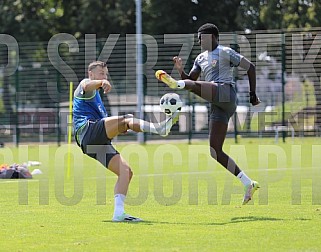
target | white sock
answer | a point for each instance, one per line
(244, 178)
(180, 84)
(159, 129)
(147, 127)
(119, 204)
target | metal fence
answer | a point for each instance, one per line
(35, 79)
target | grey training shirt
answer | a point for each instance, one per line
(217, 65)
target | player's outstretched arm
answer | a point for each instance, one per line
(193, 75)
(91, 85)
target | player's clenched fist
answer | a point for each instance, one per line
(105, 85)
(254, 100)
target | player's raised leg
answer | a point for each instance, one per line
(120, 124)
(203, 89)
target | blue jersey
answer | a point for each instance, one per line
(87, 106)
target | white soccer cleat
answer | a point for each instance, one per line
(126, 218)
(249, 191)
(167, 125)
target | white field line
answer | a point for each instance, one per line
(171, 174)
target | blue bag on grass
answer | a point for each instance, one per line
(14, 171)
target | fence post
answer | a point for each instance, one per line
(144, 80)
(17, 130)
(58, 108)
(283, 83)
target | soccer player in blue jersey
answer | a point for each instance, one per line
(216, 64)
(94, 130)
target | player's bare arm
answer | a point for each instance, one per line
(193, 75)
(250, 69)
(90, 85)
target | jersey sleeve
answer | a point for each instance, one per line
(233, 56)
(80, 93)
(196, 66)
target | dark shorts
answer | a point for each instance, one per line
(96, 144)
(224, 104)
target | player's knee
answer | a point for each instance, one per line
(126, 173)
(123, 124)
(129, 116)
(215, 152)
(131, 174)
(126, 120)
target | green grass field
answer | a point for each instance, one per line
(188, 202)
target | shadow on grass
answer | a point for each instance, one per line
(232, 221)
(246, 219)
(135, 223)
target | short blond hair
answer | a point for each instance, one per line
(95, 64)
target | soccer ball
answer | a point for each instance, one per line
(170, 103)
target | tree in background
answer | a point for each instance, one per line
(279, 14)
(248, 16)
(97, 17)
(30, 20)
(38, 20)
(186, 16)
(289, 14)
